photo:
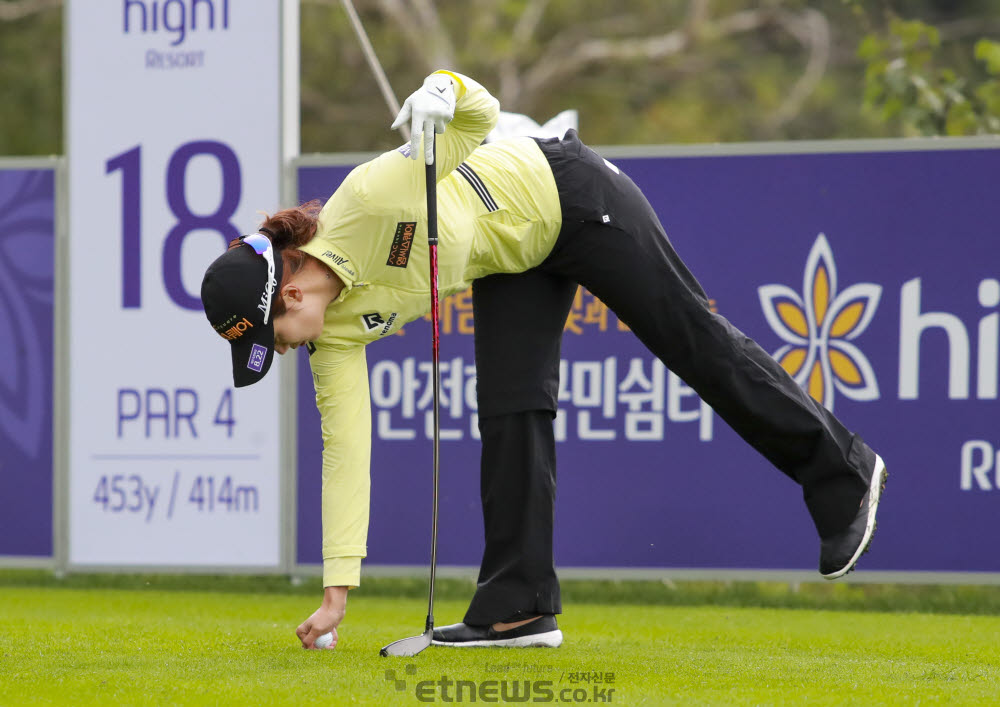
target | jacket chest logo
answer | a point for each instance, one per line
(402, 242)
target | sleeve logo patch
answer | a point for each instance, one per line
(402, 242)
(372, 321)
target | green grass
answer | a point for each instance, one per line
(229, 640)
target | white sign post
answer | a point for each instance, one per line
(178, 123)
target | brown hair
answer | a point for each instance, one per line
(289, 229)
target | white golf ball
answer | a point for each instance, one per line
(324, 641)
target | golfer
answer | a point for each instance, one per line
(524, 221)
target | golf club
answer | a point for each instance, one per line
(415, 644)
(374, 64)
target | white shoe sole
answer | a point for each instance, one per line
(550, 639)
(875, 494)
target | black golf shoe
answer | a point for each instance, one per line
(840, 553)
(540, 633)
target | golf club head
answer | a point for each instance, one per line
(408, 646)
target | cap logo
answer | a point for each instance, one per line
(262, 246)
(265, 299)
(236, 331)
(257, 355)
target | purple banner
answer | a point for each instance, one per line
(872, 276)
(27, 242)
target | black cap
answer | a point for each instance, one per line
(235, 295)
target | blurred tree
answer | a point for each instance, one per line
(639, 71)
(31, 77)
(911, 82)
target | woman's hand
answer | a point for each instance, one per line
(325, 619)
(428, 110)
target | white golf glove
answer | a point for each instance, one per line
(428, 109)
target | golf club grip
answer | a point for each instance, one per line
(432, 240)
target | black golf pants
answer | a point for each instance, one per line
(613, 244)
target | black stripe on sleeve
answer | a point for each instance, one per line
(473, 179)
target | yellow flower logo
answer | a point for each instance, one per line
(818, 328)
